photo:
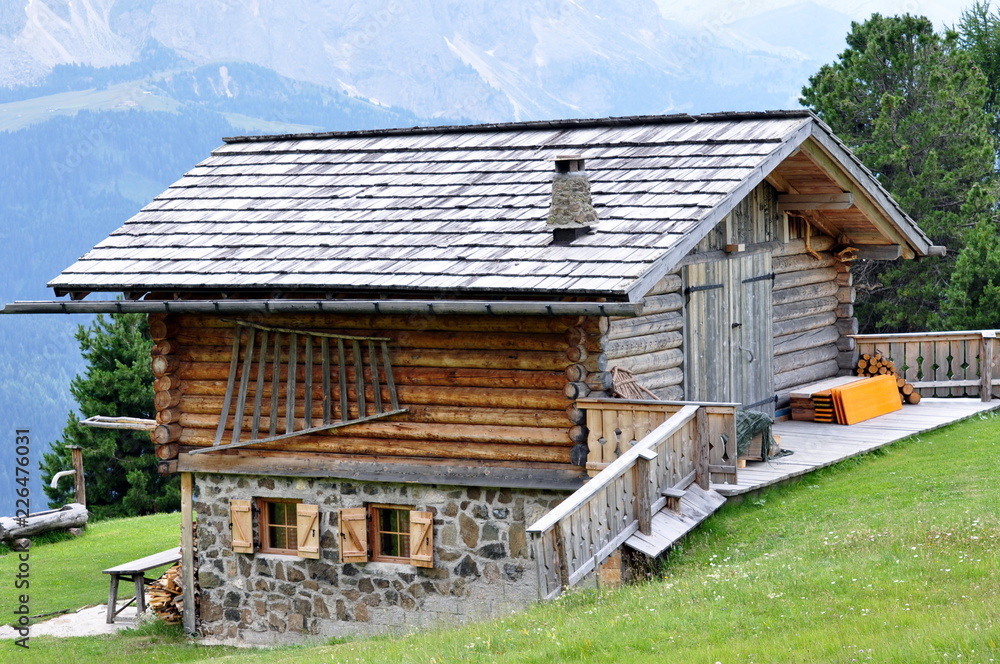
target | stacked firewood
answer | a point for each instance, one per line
(878, 364)
(166, 595)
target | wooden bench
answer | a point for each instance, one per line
(135, 572)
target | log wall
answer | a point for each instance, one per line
(650, 346)
(813, 311)
(477, 388)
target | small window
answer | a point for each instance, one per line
(386, 533)
(390, 533)
(278, 526)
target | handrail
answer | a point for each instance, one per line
(616, 469)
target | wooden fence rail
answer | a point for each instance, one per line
(573, 539)
(941, 364)
(616, 425)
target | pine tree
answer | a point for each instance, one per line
(972, 300)
(910, 103)
(119, 465)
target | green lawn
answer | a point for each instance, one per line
(894, 557)
(67, 574)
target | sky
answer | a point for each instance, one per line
(942, 12)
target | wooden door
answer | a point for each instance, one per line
(728, 338)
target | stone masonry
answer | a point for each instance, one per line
(482, 563)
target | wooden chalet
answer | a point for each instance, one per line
(383, 358)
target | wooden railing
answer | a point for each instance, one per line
(616, 425)
(578, 535)
(941, 364)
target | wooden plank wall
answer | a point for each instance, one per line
(650, 346)
(477, 387)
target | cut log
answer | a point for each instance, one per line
(73, 515)
(913, 398)
(166, 399)
(164, 364)
(167, 452)
(168, 382)
(166, 433)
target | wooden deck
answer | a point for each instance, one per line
(819, 445)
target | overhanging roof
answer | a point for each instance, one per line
(462, 210)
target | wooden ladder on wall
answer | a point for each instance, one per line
(266, 351)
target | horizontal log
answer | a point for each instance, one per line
(670, 393)
(798, 325)
(577, 354)
(670, 283)
(371, 324)
(168, 415)
(575, 414)
(395, 448)
(430, 339)
(578, 434)
(202, 411)
(847, 326)
(167, 433)
(577, 390)
(648, 343)
(806, 375)
(847, 344)
(166, 452)
(391, 428)
(804, 358)
(804, 278)
(804, 308)
(800, 262)
(433, 395)
(847, 295)
(73, 515)
(168, 382)
(845, 279)
(658, 361)
(817, 243)
(657, 304)
(641, 325)
(429, 376)
(847, 359)
(164, 364)
(166, 399)
(790, 343)
(845, 310)
(165, 347)
(804, 293)
(497, 359)
(162, 327)
(656, 380)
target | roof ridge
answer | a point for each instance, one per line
(582, 123)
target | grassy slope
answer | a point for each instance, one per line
(891, 558)
(67, 574)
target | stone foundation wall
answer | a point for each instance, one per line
(482, 563)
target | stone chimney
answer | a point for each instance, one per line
(571, 213)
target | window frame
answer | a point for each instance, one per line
(264, 525)
(375, 553)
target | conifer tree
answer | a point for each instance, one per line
(911, 104)
(119, 465)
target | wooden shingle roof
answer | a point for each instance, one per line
(452, 209)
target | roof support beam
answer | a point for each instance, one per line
(803, 202)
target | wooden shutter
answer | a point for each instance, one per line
(422, 539)
(353, 526)
(307, 530)
(241, 525)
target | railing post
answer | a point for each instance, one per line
(987, 352)
(561, 561)
(701, 445)
(643, 499)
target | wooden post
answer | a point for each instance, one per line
(987, 350)
(701, 445)
(643, 500)
(187, 554)
(81, 484)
